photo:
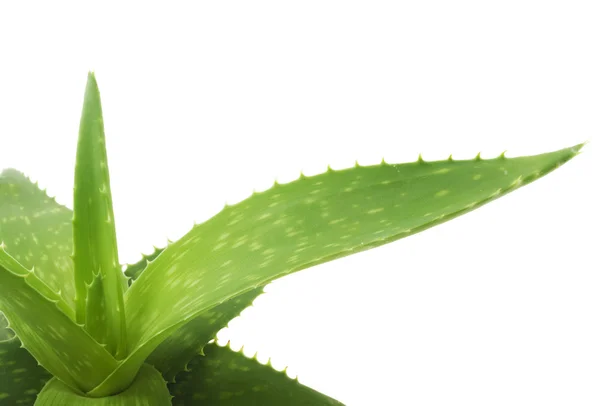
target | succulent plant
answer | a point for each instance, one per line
(80, 331)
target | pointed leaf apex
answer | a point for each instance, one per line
(478, 157)
(577, 148)
(420, 159)
(450, 159)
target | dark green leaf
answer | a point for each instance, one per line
(227, 378)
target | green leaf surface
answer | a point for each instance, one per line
(21, 378)
(94, 313)
(37, 315)
(5, 332)
(94, 236)
(173, 354)
(133, 271)
(224, 377)
(148, 389)
(37, 232)
(304, 223)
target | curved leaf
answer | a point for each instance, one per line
(173, 355)
(225, 377)
(21, 378)
(37, 232)
(37, 315)
(304, 223)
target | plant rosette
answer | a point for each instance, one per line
(80, 331)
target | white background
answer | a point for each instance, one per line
(204, 103)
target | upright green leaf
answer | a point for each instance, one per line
(94, 311)
(94, 233)
(37, 315)
(225, 377)
(303, 223)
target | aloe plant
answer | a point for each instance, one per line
(82, 332)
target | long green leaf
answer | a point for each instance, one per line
(174, 354)
(21, 378)
(304, 223)
(38, 316)
(37, 232)
(94, 233)
(225, 377)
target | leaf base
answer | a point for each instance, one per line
(149, 388)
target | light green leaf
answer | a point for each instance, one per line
(37, 315)
(304, 223)
(37, 232)
(148, 389)
(94, 235)
(225, 377)
(21, 378)
(94, 313)
(173, 354)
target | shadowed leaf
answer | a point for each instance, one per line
(21, 378)
(225, 377)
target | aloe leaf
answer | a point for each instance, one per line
(37, 316)
(94, 313)
(94, 236)
(21, 378)
(37, 232)
(174, 354)
(148, 389)
(5, 332)
(133, 271)
(225, 377)
(304, 223)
